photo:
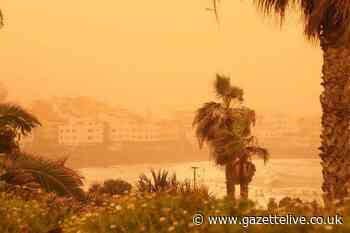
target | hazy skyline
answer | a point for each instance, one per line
(156, 54)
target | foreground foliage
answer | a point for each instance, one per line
(27, 211)
(24, 210)
(50, 175)
(111, 187)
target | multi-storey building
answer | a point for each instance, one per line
(139, 130)
(47, 133)
(81, 131)
(185, 119)
(272, 127)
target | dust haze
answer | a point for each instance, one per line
(159, 59)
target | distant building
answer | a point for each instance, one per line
(186, 130)
(81, 131)
(135, 129)
(47, 133)
(272, 127)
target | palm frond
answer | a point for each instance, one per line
(258, 151)
(243, 119)
(331, 16)
(226, 147)
(222, 86)
(160, 181)
(52, 176)
(236, 93)
(17, 118)
(1, 19)
(8, 140)
(208, 120)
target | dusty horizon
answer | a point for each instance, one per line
(158, 56)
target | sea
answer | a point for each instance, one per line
(298, 178)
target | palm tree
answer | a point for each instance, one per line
(14, 122)
(226, 128)
(37, 172)
(243, 147)
(328, 22)
(1, 19)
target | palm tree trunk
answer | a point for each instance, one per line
(335, 101)
(244, 191)
(243, 176)
(230, 182)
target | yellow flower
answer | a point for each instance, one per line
(113, 226)
(161, 219)
(118, 207)
(171, 228)
(166, 209)
(144, 205)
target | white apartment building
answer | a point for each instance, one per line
(116, 128)
(186, 130)
(275, 126)
(131, 128)
(79, 131)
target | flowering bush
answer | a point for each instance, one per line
(32, 211)
(18, 215)
(169, 212)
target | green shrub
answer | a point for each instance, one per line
(111, 187)
(159, 181)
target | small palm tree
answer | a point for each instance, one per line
(37, 172)
(14, 122)
(226, 128)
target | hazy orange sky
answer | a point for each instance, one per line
(156, 54)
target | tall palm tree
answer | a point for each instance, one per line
(242, 148)
(1, 19)
(328, 22)
(225, 127)
(14, 122)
